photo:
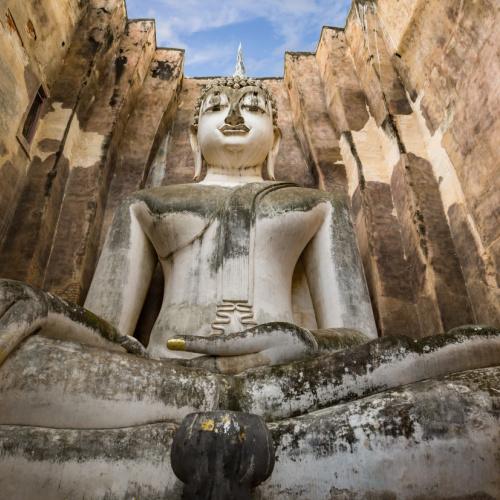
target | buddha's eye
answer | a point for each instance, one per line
(254, 102)
(255, 109)
(214, 103)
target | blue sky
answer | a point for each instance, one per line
(210, 30)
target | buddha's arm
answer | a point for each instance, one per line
(335, 274)
(124, 271)
(115, 298)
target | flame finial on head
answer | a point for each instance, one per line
(237, 81)
(239, 69)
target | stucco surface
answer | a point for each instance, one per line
(396, 111)
(394, 119)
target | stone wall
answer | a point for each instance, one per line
(410, 89)
(395, 112)
(34, 38)
(112, 79)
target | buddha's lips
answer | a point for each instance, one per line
(234, 129)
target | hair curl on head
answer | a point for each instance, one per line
(234, 82)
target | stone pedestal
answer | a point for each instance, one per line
(222, 455)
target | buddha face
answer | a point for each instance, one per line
(235, 128)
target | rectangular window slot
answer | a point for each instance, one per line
(31, 120)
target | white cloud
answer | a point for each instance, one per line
(222, 53)
(291, 20)
(190, 16)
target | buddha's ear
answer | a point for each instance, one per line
(195, 146)
(273, 154)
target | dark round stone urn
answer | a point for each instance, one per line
(222, 455)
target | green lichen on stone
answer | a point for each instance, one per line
(455, 336)
(295, 199)
(198, 199)
(63, 445)
(337, 339)
(311, 377)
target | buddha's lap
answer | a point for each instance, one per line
(56, 383)
(67, 384)
(60, 383)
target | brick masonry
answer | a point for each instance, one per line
(398, 112)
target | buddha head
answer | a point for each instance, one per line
(235, 126)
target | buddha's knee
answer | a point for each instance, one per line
(20, 304)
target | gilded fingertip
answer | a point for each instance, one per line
(176, 344)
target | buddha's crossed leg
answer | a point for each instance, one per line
(25, 310)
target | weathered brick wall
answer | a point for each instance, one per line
(101, 85)
(398, 112)
(422, 168)
(402, 81)
(446, 54)
(34, 38)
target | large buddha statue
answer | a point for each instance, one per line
(229, 245)
(263, 279)
(238, 253)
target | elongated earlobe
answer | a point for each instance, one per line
(198, 159)
(273, 154)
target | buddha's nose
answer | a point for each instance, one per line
(234, 117)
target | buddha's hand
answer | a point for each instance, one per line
(264, 345)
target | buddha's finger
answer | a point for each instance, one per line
(260, 338)
(218, 345)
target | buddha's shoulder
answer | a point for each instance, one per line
(297, 198)
(205, 199)
(180, 198)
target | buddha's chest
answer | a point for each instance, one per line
(224, 236)
(230, 278)
(231, 222)
(228, 264)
